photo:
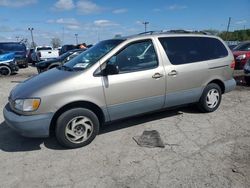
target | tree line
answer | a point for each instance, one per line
(237, 35)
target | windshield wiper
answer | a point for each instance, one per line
(66, 68)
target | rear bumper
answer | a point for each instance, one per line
(22, 62)
(29, 126)
(14, 68)
(229, 85)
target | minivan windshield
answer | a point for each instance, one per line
(92, 55)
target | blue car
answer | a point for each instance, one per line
(7, 64)
(20, 51)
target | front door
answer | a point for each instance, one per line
(139, 86)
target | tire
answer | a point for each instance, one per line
(5, 70)
(247, 79)
(77, 128)
(210, 104)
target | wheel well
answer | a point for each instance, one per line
(78, 104)
(219, 83)
(3, 65)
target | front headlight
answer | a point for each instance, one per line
(240, 57)
(27, 105)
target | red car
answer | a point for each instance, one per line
(241, 55)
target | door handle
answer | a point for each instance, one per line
(173, 73)
(157, 75)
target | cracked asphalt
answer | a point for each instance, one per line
(201, 150)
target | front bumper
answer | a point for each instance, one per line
(229, 85)
(29, 126)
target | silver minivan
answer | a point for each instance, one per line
(118, 78)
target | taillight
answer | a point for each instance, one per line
(232, 65)
(248, 55)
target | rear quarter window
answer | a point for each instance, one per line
(183, 50)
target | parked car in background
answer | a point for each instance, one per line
(247, 72)
(20, 51)
(7, 63)
(29, 55)
(232, 46)
(44, 53)
(66, 48)
(241, 54)
(62, 59)
(119, 78)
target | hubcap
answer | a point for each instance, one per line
(79, 129)
(213, 97)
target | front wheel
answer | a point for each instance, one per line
(77, 127)
(5, 70)
(211, 98)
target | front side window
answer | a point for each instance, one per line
(136, 56)
(183, 50)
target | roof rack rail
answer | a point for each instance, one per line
(180, 31)
(149, 32)
(187, 31)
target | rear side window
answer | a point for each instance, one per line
(183, 50)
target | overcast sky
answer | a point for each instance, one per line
(99, 19)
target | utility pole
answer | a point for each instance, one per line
(63, 36)
(228, 26)
(145, 25)
(32, 38)
(76, 35)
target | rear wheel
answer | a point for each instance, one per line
(5, 70)
(247, 79)
(211, 98)
(77, 127)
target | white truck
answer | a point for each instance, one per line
(43, 53)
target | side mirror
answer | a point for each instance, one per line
(110, 70)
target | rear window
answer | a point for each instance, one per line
(44, 48)
(242, 47)
(183, 50)
(12, 47)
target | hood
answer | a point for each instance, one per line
(18, 54)
(46, 83)
(7, 57)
